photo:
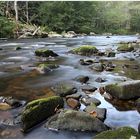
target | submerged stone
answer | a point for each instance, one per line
(82, 79)
(4, 106)
(64, 89)
(45, 68)
(85, 50)
(76, 120)
(120, 133)
(125, 90)
(39, 110)
(45, 53)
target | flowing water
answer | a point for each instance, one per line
(19, 79)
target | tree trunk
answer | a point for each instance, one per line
(16, 17)
(27, 12)
(16, 10)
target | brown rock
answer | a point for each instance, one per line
(73, 103)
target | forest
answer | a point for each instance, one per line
(69, 69)
(62, 16)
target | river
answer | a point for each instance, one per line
(21, 81)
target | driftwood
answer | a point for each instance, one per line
(35, 31)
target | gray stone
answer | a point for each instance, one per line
(76, 96)
(88, 101)
(100, 80)
(125, 90)
(97, 67)
(88, 88)
(82, 79)
(64, 89)
(101, 112)
(76, 120)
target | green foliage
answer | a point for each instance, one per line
(121, 133)
(6, 27)
(79, 16)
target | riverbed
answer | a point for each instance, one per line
(20, 80)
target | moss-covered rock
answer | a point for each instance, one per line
(45, 68)
(39, 110)
(125, 47)
(45, 53)
(125, 90)
(51, 66)
(76, 120)
(121, 133)
(85, 50)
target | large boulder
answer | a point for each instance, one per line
(39, 110)
(85, 50)
(120, 133)
(125, 47)
(76, 120)
(125, 90)
(64, 89)
(45, 53)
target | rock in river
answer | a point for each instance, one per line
(45, 53)
(88, 89)
(125, 47)
(75, 121)
(88, 101)
(97, 67)
(125, 90)
(64, 89)
(73, 103)
(100, 80)
(82, 79)
(100, 112)
(85, 50)
(13, 102)
(120, 133)
(45, 68)
(39, 110)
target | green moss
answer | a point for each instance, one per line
(45, 53)
(46, 65)
(121, 133)
(125, 47)
(39, 110)
(85, 50)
